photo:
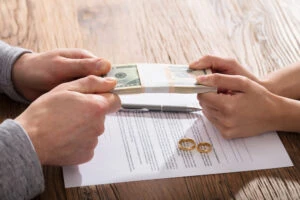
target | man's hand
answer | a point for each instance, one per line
(247, 108)
(65, 123)
(36, 73)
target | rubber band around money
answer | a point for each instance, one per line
(186, 144)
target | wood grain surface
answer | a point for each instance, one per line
(261, 34)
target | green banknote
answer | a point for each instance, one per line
(126, 75)
(157, 78)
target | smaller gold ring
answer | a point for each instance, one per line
(204, 147)
(186, 147)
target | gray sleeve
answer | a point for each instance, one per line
(21, 175)
(8, 57)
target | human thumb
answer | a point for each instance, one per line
(90, 85)
(224, 81)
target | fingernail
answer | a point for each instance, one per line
(102, 65)
(110, 79)
(201, 79)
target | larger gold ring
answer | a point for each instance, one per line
(204, 147)
(187, 147)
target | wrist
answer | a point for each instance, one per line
(287, 114)
(18, 70)
(31, 131)
(269, 85)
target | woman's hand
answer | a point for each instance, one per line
(246, 109)
(246, 106)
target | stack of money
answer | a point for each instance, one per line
(157, 78)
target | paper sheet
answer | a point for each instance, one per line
(141, 146)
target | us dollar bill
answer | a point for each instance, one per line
(157, 78)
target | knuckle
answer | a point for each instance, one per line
(227, 133)
(92, 79)
(84, 157)
(232, 61)
(244, 82)
(94, 143)
(214, 79)
(228, 123)
(63, 86)
(98, 129)
(81, 51)
(58, 61)
(228, 109)
(207, 57)
(95, 107)
(56, 69)
(100, 108)
(58, 88)
(84, 53)
(97, 110)
(89, 155)
(101, 129)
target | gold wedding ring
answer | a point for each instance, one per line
(186, 144)
(204, 147)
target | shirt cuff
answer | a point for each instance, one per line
(21, 172)
(9, 55)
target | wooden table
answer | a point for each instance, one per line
(265, 35)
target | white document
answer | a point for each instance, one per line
(142, 146)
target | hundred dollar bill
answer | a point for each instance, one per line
(157, 78)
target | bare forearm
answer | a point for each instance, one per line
(287, 115)
(285, 82)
